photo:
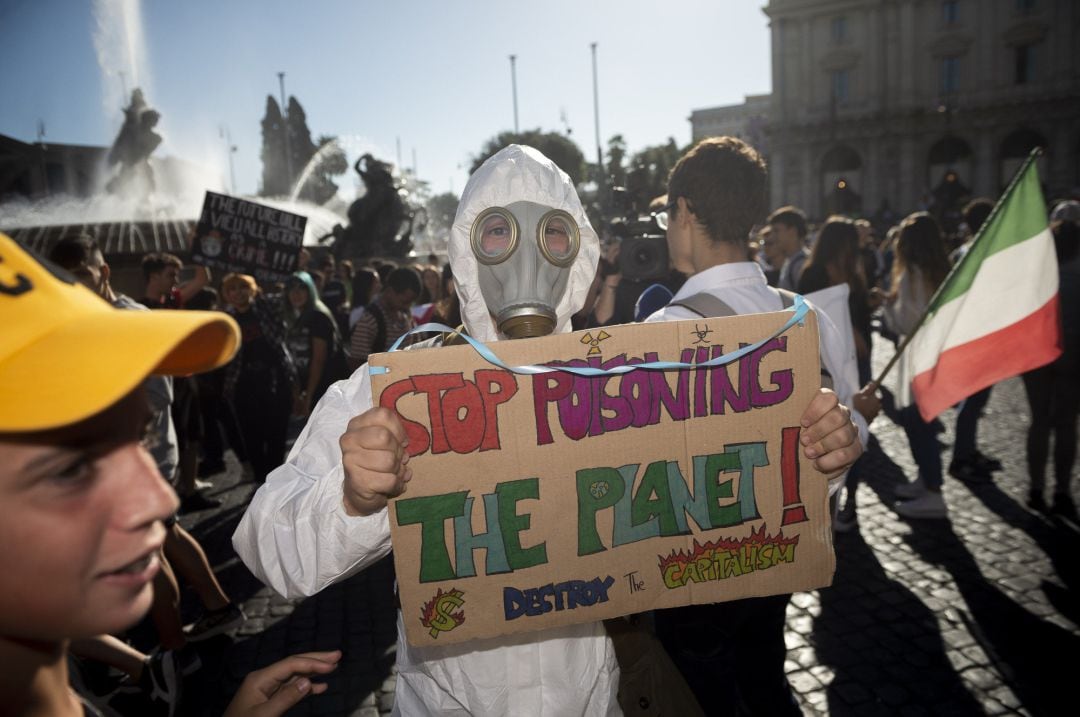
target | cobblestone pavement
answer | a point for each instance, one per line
(977, 614)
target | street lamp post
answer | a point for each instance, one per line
(513, 84)
(230, 148)
(285, 128)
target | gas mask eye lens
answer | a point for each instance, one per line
(494, 235)
(558, 237)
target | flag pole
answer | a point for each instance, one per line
(1035, 154)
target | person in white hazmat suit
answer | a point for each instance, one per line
(307, 528)
(523, 255)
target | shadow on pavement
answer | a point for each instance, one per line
(1036, 657)
(883, 643)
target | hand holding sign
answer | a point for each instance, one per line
(375, 461)
(828, 436)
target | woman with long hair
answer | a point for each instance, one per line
(920, 266)
(313, 340)
(834, 260)
(260, 381)
(366, 285)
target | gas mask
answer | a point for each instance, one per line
(524, 252)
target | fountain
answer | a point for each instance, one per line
(384, 219)
(140, 203)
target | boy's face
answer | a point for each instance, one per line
(787, 238)
(680, 239)
(81, 510)
(165, 280)
(398, 300)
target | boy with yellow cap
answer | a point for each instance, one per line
(81, 501)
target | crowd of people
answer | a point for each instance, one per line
(85, 443)
(891, 273)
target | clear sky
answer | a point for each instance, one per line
(434, 75)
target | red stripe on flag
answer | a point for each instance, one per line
(1031, 342)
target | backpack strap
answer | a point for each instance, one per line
(707, 306)
(786, 297)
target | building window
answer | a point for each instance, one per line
(1025, 64)
(840, 86)
(950, 12)
(950, 75)
(839, 29)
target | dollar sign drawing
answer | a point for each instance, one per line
(443, 620)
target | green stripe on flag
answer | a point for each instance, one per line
(1021, 217)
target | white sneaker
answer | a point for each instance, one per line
(910, 490)
(928, 505)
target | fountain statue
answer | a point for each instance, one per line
(381, 221)
(134, 144)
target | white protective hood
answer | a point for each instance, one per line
(517, 173)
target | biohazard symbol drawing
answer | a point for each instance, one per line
(594, 342)
(438, 614)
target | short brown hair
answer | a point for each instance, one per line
(725, 183)
(792, 217)
(156, 262)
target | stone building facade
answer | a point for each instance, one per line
(906, 101)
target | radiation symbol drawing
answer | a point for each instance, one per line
(594, 342)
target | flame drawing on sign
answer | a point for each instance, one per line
(437, 613)
(726, 558)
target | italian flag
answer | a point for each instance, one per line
(997, 313)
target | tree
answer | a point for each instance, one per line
(301, 147)
(616, 170)
(649, 169)
(441, 210)
(274, 180)
(318, 186)
(558, 148)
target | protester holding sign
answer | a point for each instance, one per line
(302, 518)
(733, 653)
(326, 506)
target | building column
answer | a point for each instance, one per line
(810, 201)
(776, 176)
(871, 177)
(911, 186)
(986, 170)
(1059, 173)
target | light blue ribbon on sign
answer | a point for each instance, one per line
(798, 314)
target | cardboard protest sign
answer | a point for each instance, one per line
(238, 235)
(550, 499)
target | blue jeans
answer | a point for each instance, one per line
(924, 446)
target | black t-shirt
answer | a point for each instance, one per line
(256, 353)
(311, 325)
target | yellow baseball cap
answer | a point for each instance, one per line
(66, 353)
